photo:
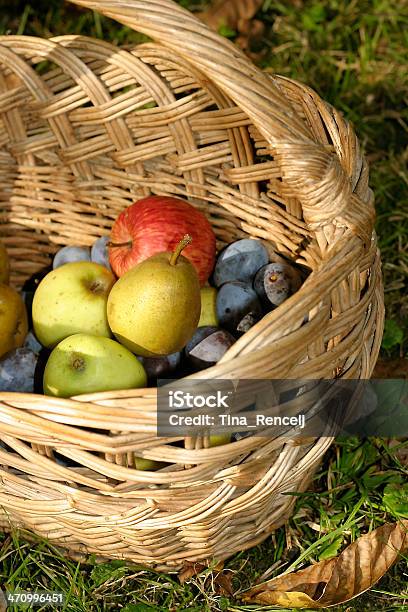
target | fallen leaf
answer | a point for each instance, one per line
(231, 13)
(223, 584)
(3, 602)
(191, 569)
(337, 580)
(235, 17)
(222, 581)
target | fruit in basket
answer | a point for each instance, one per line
(239, 261)
(17, 370)
(84, 363)
(32, 343)
(203, 331)
(248, 321)
(219, 439)
(275, 282)
(208, 307)
(148, 464)
(100, 252)
(72, 299)
(154, 225)
(71, 254)
(29, 288)
(13, 319)
(154, 308)
(207, 346)
(4, 265)
(161, 367)
(235, 300)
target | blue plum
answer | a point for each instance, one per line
(17, 370)
(247, 322)
(69, 254)
(32, 343)
(30, 287)
(160, 367)
(240, 261)
(275, 282)
(235, 300)
(207, 346)
(99, 252)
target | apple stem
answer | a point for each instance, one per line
(185, 241)
(120, 244)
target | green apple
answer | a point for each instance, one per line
(83, 363)
(13, 319)
(70, 300)
(208, 315)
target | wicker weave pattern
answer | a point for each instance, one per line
(91, 131)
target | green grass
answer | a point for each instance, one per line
(354, 54)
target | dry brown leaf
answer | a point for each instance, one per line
(223, 584)
(3, 602)
(237, 15)
(191, 569)
(340, 579)
(230, 13)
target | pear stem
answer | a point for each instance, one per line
(185, 241)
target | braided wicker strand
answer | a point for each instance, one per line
(263, 157)
(319, 182)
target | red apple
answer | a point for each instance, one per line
(156, 224)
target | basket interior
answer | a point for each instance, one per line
(86, 129)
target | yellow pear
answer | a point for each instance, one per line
(13, 319)
(154, 308)
(4, 265)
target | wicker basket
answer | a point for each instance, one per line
(87, 128)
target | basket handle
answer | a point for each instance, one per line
(311, 170)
